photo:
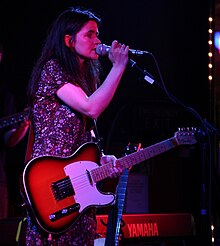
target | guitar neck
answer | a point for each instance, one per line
(13, 119)
(147, 153)
(130, 160)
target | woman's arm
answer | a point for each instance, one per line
(95, 104)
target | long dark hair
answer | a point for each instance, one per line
(68, 22)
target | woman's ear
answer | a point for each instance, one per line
(68, 41)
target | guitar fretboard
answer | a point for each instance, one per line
(130, 160)
(147, 153)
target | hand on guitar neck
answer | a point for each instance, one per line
(117, 170)
(107, 159)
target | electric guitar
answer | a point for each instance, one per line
(59, 190)
(13, 119)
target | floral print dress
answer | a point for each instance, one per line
(58, 131)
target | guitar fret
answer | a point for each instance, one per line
(96, 175)
(101, 172)
(105, 170)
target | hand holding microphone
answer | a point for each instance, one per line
(117, 54)
(104, 50)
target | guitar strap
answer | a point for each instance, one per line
(99, 140)
(29, 144)
(27, 158)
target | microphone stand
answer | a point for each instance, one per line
(202, 136)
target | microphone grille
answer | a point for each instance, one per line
(102, 50)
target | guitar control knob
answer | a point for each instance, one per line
(52, 217)
(64, 211)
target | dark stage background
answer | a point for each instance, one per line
(176, 33)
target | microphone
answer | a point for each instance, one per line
(103, 50)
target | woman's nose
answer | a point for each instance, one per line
(98, 41)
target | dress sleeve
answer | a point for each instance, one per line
(53, 77)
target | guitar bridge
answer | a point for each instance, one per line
(64, 212)
(62, 189)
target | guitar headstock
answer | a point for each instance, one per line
(185, 135)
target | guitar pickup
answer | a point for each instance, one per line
(64, 212)
(62, 189)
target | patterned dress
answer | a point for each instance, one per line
(58, 131)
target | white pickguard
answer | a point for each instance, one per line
(86, 193)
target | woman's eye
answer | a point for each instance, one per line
(92, 35)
